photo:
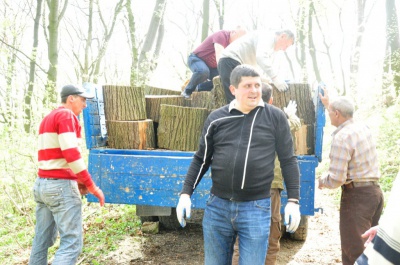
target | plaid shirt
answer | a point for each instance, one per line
(353, 156)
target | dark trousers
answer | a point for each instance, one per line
(225, 68)
(360, 209)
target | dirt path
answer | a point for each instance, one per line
(185, 246)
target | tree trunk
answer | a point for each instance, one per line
(180, 127)
(220, 5)
(86, 65)
(32, 67)
(312, 49)
(301, 51)
(133, 46)
(131, 134)
(206, 18)
(54, 21)
(124, 103)
(356, 52)
(146, 62)
(106, 39)
(392, 58)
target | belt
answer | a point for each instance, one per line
(50, 179)
(353, 184)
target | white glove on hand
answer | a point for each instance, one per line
(292, 217)
(184, 206)
(290, 110)
(280, 84)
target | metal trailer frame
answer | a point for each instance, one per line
(152, 179)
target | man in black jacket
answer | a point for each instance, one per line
(239, 142)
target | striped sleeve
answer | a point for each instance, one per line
(59, 151)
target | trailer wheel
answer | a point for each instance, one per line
(301, 233)
(170, 222)
(148, 219)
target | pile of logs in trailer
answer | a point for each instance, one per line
(154, 118)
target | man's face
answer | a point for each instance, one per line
(333, 116)
(78, 103)
(248, 93)
(283, 42)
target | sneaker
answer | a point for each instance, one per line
(183, 94)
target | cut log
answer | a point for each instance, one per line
(153, 104)
(180, 127)
(301, 93)
(124, 103)
(218, 93)
(151, 90)
(204, 99)
(304, 138)
(131, 134)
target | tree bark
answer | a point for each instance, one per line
(180, 127)
(301, 93)
(150, 90)
(131, 134)
(218, 93)
(124, 103)
(202, 99)
(153, 104)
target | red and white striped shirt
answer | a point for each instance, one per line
(59, 153)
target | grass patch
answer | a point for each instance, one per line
(106, 227)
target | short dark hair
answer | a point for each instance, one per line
(266, 90)
(242, 70)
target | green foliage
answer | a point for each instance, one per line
(388, 145)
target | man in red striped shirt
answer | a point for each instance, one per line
(62, 178)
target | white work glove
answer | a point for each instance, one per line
(184, 206)
(280, 84)
(290, 110)
(292, 216)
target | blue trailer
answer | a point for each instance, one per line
(152, 179)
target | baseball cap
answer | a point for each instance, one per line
(74, 90)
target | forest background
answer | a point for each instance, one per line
(351, 46)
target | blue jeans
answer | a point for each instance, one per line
(224, 220)
(58, 209)
(201, 72)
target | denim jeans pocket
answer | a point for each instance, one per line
(210, 199)
(263, 204)
(52, 198)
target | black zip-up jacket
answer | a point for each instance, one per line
(241, 150)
